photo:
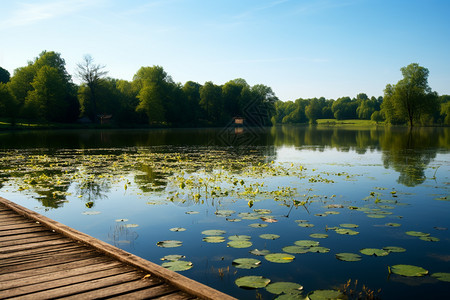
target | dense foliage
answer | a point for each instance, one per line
(43, 91)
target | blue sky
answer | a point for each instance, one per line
(300, 48)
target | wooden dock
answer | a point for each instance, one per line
(44, 259)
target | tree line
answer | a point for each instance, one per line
(43, 91)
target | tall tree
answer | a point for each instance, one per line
(8, 104)
(91, 75)
(211, 101)
(4, 75)
(313, 111)
(411, 97)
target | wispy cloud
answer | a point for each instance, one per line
(32, 12)
(275, 60)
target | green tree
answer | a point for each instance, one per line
(47, 100)
(8, 104)
(20, 83)
(411, 98)
(211, 102)
(4, 75)
(91, 75)
(445, 109)
(377, 116)
(344, 108)
(313, 111)
(191, 91)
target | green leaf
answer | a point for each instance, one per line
(258, 225)
(252, 282)
(374, 252)
(442, 276)
(262, 211)
(394, 249)
(281, 258)
(319, 250)
(346, 231)
(278, 288)
(417, 233)
(169, 244)
(239, 237)
(173, 257)
(429, 238)
(348, 256)
(393, 224)
(192, 212)
(326, 295)
(268, 236)
(246, 263)
(214, 239)
(408, 270)
(318, 235)
(213, 232)
(306, 243)
(349, 225)
(296, 249)
(224, 213)
(259, 252)
(306, 225)
(178, 265)
(239, 244)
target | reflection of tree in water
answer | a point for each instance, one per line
(409, 153)
(120, 234)
(93, 188)
(149, 179)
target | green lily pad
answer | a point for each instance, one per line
(281, 258)
(169, 244)
(301, 221)
(408, 270)
(306, 243)
(262, 211)
(393, 224)
(91, 213)
(178, 265)
(326, 295)
(131, 225)
(417, 233)
(246, 263)
(213, 232)
(278, 288)
(173, 257)
(349, 225)
(429, 238)
(224, 213)
(268, 236)
(233, 220)
(258, 225)
(319, 250)
(259, 252)
(394, 249)
(376, 216)
(318, 235)
(442, 276)
(252, 282)
(332, 212)
(374, 252)
(296, 249)
(346, 231)
(348, 256)
(444, 198)
(249, 216)
(192, 212)
(239, 237)
(239, 244)
(306, 225)
(122, 220)
(176, 229)
(214, 239)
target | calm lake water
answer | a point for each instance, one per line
(355, 188)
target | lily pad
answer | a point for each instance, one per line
(281, 258)
(213, 232)
(306, 243)
(178, 265)
(394, 249)
(268, 236)
(239, 244)
(318, 235)
(417, 233)
(246, 263)
(262, 211)
(429, 238)
(131, 225)
(348, 256)
(442, 276)
(258, 225)
(122, 220)
(192, 212)
(319, 250)
(374, 252)
(176, 229)
(173, 257)
(91, 213)
(214, 239)
(326, 295)
(306, 225)
(376, 216)
(296, 249)
(393, 224)
(349, 225)
(252, 282)
(224, 213)
(169, 244)
(346, 231)
(408, 270)
(278, 288)
(239, 237)
(259, 252)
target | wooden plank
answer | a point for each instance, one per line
(177, 296)
(24, 230)
(49, 250)
(19, 226)
(158, 291)
(27, 240)
(118, 289)
(65, 287)
(22, 236)
(33, 246)
(46, 266)
(61, 272)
